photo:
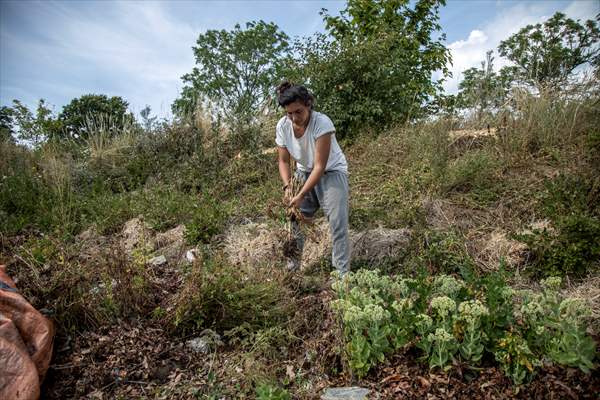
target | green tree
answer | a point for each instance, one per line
(6, 124)
(235, 70)
(77, 116)
(483, 89)
(375, 68)
(30, 128)
(148, 123)
(547, 54)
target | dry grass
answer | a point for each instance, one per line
(255, 244)
(489, 249)
(589, 291)
(258, 244)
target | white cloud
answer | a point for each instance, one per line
(144, 51)
(136, 52)
(471, 51)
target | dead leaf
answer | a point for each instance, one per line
(289, 371)
(393, 378)
(424, 382)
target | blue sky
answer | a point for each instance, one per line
(60, 50)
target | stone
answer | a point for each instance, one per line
(199, 345)
(136, 234)
(345, 393)
(158, 261)
(191, 255)
(203, 344)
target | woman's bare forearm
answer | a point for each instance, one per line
(284, 171)
(316, 174)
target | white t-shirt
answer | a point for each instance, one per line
(303, 149)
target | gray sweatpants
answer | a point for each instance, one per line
(331, 194)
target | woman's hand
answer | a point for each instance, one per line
(296, 201)
(287, 194)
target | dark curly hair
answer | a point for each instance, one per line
(288, 93)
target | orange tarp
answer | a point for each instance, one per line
(25, 344)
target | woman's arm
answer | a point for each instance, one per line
(283, 160)
(322, 148)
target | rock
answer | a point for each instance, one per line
(203, 344)
(191, 255)
(378, 244)
(171, 243)
(88, 235)
(135, 233)
(175, 235)
(345, 393)
(158, 261)
(199, 345)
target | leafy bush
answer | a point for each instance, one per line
(22, 191)
(570, 245)
(474, 173)
(572, 248)
(82, 297)
(221, 296)
(445, 252)
(374, 68)
(449, 319)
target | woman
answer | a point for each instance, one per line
(308, 137)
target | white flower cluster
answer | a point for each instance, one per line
(423, 322)
(376, 313)
(355, 315)
(358, 296)
(551, 283)
(471, 311)
(443, 305)
(447, 285)
(540, 329)
(401, 286)
(574, 310)
(402, 305)
(532, 308)
(367, 278)
(440, 336)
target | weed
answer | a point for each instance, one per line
(220, 296)
(267, 391)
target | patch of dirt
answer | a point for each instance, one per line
(130, 360)
(404, 378)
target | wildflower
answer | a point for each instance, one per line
(443, 305)
(447, 285)
(532, 309)
(423, 323)
(540, 329)
(376, 313)
(353, 314)
(573, 310)
(401, 305)
(471, 311)
(552, 283)
(440, 336)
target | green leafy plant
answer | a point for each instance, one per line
(515, 358)
(473, 341)
(448, 319)
(267, 391)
